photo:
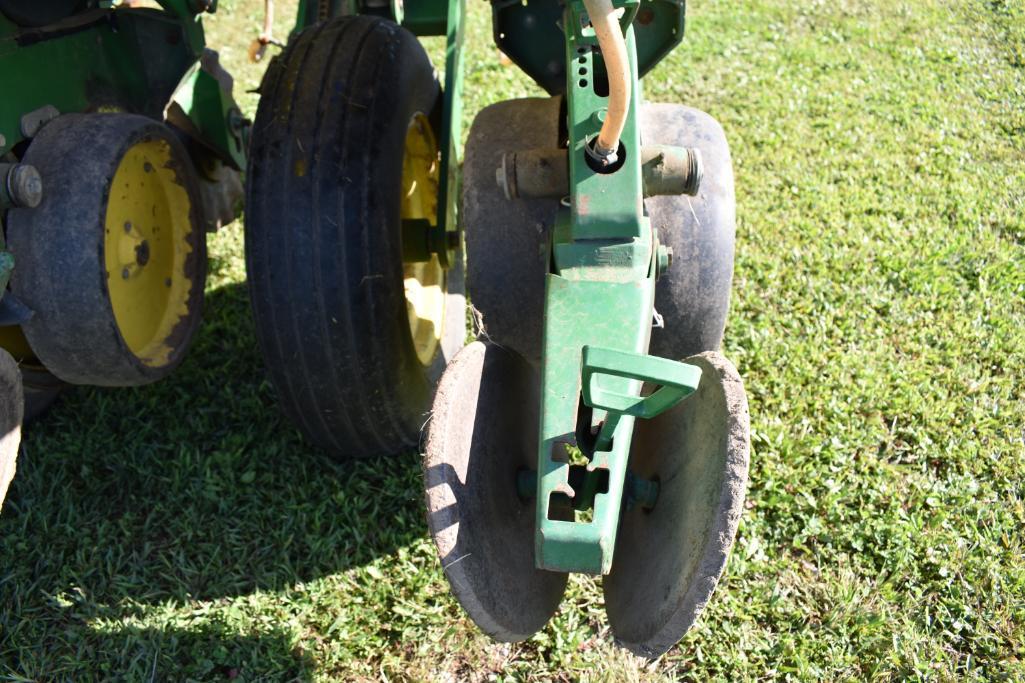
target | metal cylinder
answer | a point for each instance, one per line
(670, 170)
(536, 173)
(21, 186)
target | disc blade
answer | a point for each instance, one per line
(668, 559)
(482, 432)
(11, 413)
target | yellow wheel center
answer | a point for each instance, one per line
(424, 282)
(146, 244)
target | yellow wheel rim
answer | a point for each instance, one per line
(146, 245)
(424, 282)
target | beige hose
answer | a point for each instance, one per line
(617, 64)
(259, 46)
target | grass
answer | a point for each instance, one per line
(183, 531)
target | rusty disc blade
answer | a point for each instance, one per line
(11, 413)
(483, 431)
(668, 559)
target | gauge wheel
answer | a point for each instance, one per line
(113, 260)
(344, 154)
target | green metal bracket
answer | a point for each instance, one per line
(599, 305)
(211, 115)
(676, 381)
(451, 132)
(530, 32)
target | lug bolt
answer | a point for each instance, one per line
(23, 186)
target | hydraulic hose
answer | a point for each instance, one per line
(605, 21)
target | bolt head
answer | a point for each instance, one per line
(25, 186)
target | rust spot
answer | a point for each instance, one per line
(300, 168)
(583, 204)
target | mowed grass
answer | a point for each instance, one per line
(184, 531)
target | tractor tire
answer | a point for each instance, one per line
(113, 260)
(354, 340)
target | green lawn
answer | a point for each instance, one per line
(184, 531)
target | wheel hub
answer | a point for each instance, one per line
(146, 242)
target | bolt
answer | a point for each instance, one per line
(236, 121)
(598, 117)
(505, 175)
(24, 186)
(125, 273)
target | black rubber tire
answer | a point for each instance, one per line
(323, 231)
(60, 272)
(41, 390)
(693, 296)
(507, 241)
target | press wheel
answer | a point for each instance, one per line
(693, 296)
(482, 433)
(507, 240)
(668, 559)
(11, 406)
(113, 261)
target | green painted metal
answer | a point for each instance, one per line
(451, 131)
(675, 382)
(216, 120)
(530, 32)
(428, 17)
(140, 60)
(579, 313)
(120, 59)
(599, 305)
(6, 268)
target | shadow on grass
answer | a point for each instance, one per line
(194, 488)
(206, 652)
